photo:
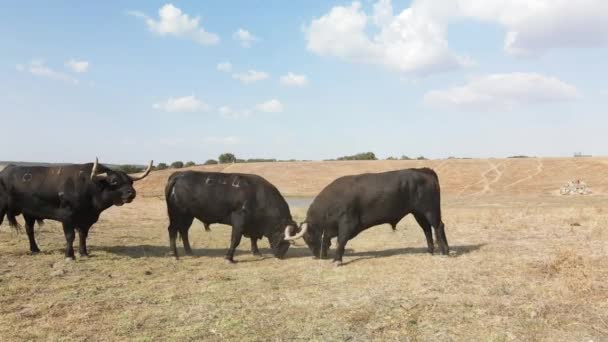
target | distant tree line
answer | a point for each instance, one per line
(230, 158)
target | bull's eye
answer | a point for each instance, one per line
(113, 182)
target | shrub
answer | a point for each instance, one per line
(162, 166)
(177, 165)
(226, 158)
(129, 169)
(404, 157)
(360, 156)
(210, 162)
(190, 164)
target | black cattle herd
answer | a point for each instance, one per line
(77, 194)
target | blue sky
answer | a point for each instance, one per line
(130, 81)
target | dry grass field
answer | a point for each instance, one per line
(528, 265)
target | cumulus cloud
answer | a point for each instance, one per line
(173, 22)
(415, 40)
(503, 91)
(39, 68)
(244, 37)
(229, 140)
(77, 66)
(251, 76)
(271, 106)
(536, 26)
(296, 80)
(224, 67)
(183, 104)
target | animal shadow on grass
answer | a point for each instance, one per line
(455, 251)
(155, 251)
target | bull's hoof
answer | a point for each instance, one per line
(83, 255)
(70, 259)
(35, 252)
(229, 261)
(337, 263)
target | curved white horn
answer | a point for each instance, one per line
(289, 237)
(145, 174)
(94, 169)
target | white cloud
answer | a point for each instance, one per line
(182, 105)
(172, 21)
(536, 26)
(224, 67)
(271, 106)
(77, 66)
(413, 41)
(503, 91)
(244, 37)
(291, 79)
(38, 68)
(229, 140)
(251, 76)
(230, 113)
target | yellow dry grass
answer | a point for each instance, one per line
(528, 265)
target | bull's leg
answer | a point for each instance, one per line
(254, 247)
(172, 238)
(83, 233)
(70, 235)
(438, 226)
(184, 233)
(428, 232)
(238, 227)
(345, 230)
(29, 229)
(3, 209)
(325, 244)
(443, 237)
(179, 222)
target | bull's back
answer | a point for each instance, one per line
(46, 182)
(206, 194)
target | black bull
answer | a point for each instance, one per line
(352, 204)
(249, 203)
(74, 195)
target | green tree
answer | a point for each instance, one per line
(210, 162)
(404, 157)
(226, 158)
(360, 156)
(190, 164)
(177, 164)
(162, 166)
(129, 169)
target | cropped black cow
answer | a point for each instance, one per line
(74, 195)
(352, 204)
(249, 203)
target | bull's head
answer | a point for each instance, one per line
(116, 187)
(278, 241)
(311, 237)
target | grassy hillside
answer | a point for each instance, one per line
(458, 177)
